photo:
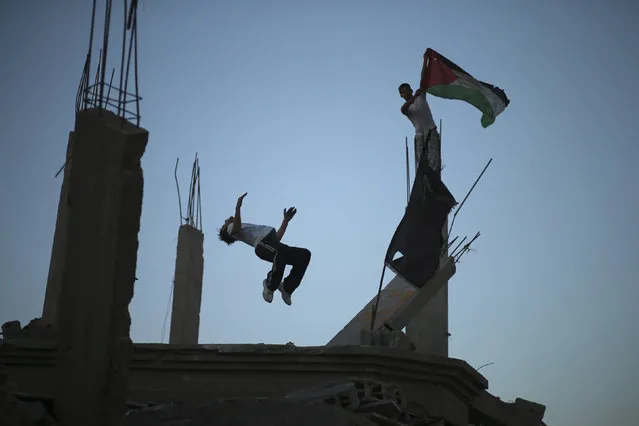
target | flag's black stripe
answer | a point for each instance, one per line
(496, 90)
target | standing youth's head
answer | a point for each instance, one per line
(405, 91)
(224, 234)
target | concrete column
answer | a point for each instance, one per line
(429, 329)
(105, 203)
(415, 304)
(58, 250)
(394, 295)
(187, 287)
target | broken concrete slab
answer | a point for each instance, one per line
(387, 338)
(35, 330)
(342, 394)
(534, 411)
(409, 310)
(356, 394)
(163, 372)
(396, 293)
(15, 411)
(381, 420)
(11, 329)
(386, 407)
(399, 303)
(58, 249)
(247, 412)
(520, 413)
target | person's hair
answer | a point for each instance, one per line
(403, 85)
(224, 235)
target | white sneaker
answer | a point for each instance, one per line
(267, 293)
(286, 297)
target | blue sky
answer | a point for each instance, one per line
(296, 103)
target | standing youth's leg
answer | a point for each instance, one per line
(420, 142)
(299, 259)
(434, 151)
(428, 144)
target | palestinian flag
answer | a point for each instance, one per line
(444, 79)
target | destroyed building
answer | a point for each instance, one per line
(77, 364)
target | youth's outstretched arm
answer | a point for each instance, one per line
(237, 219)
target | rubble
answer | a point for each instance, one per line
(11, 329)
(36, 329)
(16, 411)
(352, 402)
(379, 402)
(245, 412)
(387, 338)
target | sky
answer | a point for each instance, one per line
(296, 103)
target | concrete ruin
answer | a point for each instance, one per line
(399, 304)
(189, 265)
(86, 370)
(383, 385)
(58, 250)
(104, 203)
(187, 286)
(77, 365)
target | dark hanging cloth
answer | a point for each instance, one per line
(419, 235)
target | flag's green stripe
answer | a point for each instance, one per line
(471, 95)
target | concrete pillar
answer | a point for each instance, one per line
(394, 295)
(104, 208)
(422, 297)
(58, 250)
(429, 329)
(187, 287)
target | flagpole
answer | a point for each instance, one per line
(407, 174)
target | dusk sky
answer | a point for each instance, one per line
(296, 103)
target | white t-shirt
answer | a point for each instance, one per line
(250, 234)
(419, 114)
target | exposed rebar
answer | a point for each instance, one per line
(467, 195)
(178, 189)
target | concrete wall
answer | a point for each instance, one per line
(429, 328)
(58, 249)
(93, 321)
(187, 286)
(165, 372)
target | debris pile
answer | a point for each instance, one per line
(382, 403)
(20, 410)
(36, 329)
(243, 412)
(387, 338)
(354, 402)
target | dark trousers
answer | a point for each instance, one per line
(280, 255)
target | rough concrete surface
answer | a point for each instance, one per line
(17, 412)
(105, 203)
(393, 296)
(58, 249)
(263, 412)
(187, 287)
